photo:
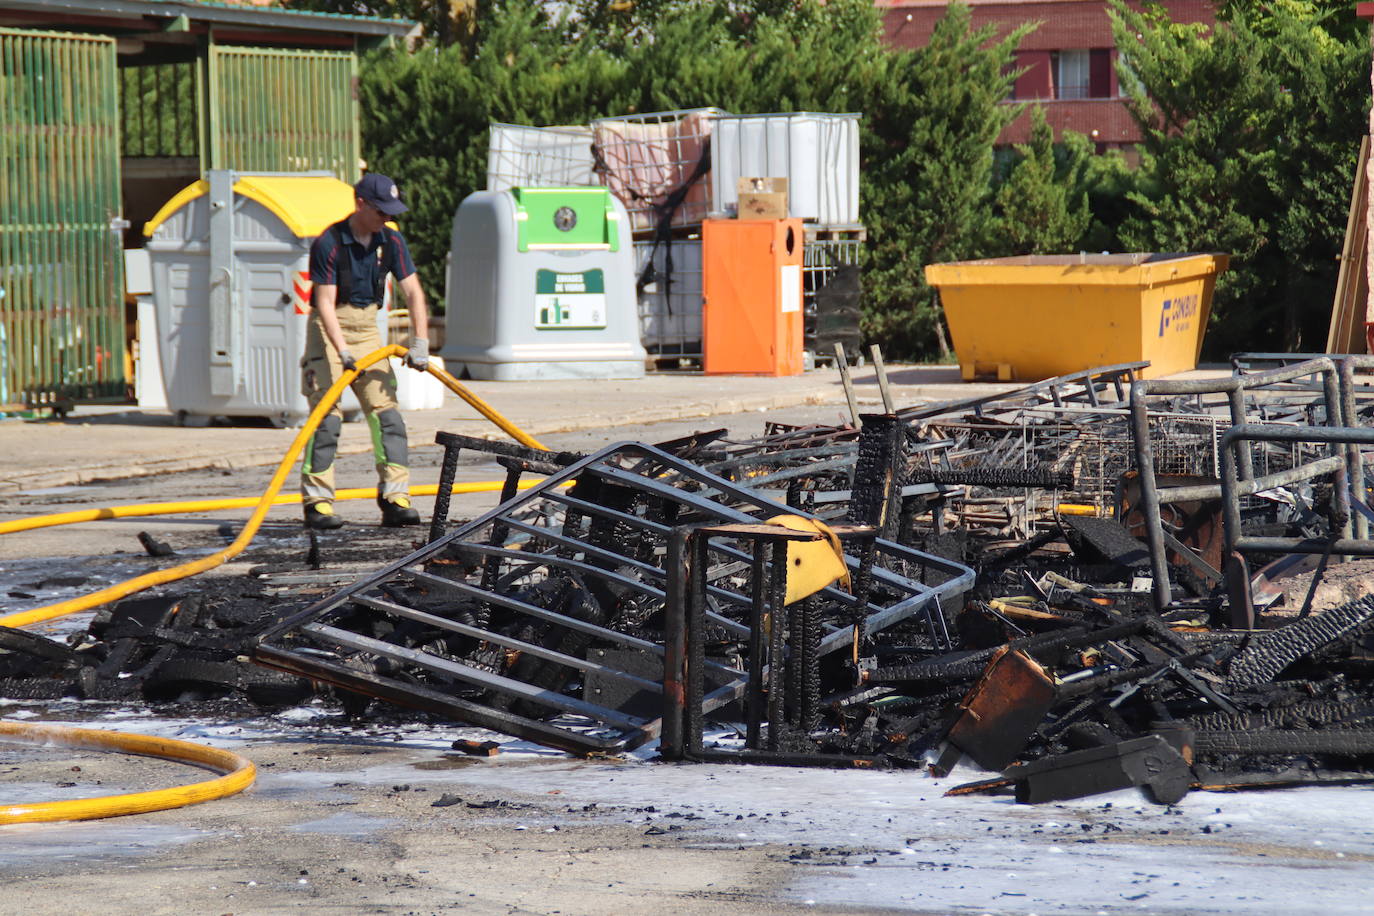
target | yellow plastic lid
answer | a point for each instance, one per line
(307, 204)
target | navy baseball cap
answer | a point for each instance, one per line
(381, 192)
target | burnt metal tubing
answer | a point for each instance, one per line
(1237, 545)
(1233, 487)
(1234, 388)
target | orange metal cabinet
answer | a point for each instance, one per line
(752, 287)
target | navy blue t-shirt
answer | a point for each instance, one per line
(365, 263)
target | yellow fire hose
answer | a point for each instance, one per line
(1076, 509)
(238, 774)
(263, 503)
(247, 502)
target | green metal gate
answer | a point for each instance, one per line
(283, 111)
(61, 264)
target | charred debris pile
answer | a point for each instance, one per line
(1077, 586)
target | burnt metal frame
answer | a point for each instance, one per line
(837, 637)
(631, 731)
(781, 637)
(1235, 388)
(783, 455)
(454, 443)
(1354, 457)
(686, 608)
(1086, 387)
(1346, 365)
(1233, 487)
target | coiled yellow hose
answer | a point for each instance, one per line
(238, 774)
(263, 503)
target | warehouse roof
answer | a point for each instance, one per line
(186, 15)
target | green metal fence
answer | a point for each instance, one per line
(158, 110)
(283, 111)
(61, 266)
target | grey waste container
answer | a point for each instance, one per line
(541, 286)
(231, 287)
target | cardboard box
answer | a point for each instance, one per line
(762, 198)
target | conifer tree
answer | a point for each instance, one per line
(1251, 133)
(927, 194)
(427, 112)
(930, 117)
(1043, 207)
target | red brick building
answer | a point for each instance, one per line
(1070, 60)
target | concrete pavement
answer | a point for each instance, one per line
(104, 443)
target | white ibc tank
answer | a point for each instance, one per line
(817, 153)
(541, 286)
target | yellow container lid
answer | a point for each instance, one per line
(307, 204)
(1142, 270)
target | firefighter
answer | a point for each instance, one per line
(349, 263)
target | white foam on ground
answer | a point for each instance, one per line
(29, 843)
(354, 825)
(876, 839)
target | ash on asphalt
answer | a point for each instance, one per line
(847, 838)
(867, 840)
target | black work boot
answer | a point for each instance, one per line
(397, 513)
(321, 517)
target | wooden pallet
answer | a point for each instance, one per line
(1349, 312)
(852, 233)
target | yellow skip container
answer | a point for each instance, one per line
(1037, 316)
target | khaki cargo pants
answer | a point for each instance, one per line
(375, 388)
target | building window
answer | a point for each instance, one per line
(1128, 80)
(1072, 75)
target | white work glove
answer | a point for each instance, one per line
(417, 357)
(349, 363)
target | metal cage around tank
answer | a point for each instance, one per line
(669, 283)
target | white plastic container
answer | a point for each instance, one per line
(670, 310)
(418, 390)
(539, 157)
(149, 389)
(818, 154)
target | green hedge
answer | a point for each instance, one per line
(1252, 130)
(930, 119)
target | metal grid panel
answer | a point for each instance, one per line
(61, 269)
(158, 110)
(658, 164)
(1093, 446)
(670, 297)
(516, 620)
(822, 257)
(830, 294)
(1096, 449)
(283, 111)
(539, 157)
(1099, 454)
